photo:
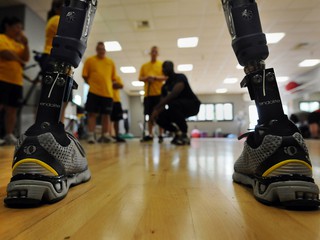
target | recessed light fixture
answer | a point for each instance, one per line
(185, 67)
(112, 46)
(309, 62)
(188, 42)
(128, 69)
(230, 80)
(221, 90)
(137, 83)
(282, 79)
(274, 37)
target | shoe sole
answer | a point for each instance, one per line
(34, 190)
(294, 193)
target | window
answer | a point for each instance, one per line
(309, 106)
(253, 115)
(214, 112)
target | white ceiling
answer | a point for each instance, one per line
(213, 59)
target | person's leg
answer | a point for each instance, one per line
(92, 121)
(13, 103)
(107, 107)
(10, 124)
(275, 160)
(47, 159)
(148, 106)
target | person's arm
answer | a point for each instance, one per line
(11, 56)
(25, 55)
(177, 89)
(117, 85)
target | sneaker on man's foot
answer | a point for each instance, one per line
(91, 139)
(275, 163)
(46, 164)
(106, 139)
(146, 139)
(10, 139)
(119, 139)
(180, 139)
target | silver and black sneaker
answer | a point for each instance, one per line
(275, 163)
(45, 166)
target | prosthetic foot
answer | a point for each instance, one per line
(275, 160)
(48, 160)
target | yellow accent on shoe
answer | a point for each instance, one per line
(33, 160)
(280, 164)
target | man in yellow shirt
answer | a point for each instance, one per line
(117, 111)
(153, 78)
(14, 53)
(99, 72)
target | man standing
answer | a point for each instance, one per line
(181, 102)
(117, 111)
(99, 72)
(153, 78)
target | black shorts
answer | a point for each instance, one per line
(314, 117)
(98, 104)
(117, 112)
(149, 103)
(11, 94)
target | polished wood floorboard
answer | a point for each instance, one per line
(151, 191)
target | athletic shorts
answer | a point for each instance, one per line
(314, 117)
(98, 104)
(149, 103)
(117, 112)
(11, 94)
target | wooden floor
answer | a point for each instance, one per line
(152, 191)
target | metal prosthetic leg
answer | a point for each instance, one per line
(48, 160)
(250, 46)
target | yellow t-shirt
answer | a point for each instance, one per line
(100, 74)
(10, 71)
(152, 69)
(116, 92)
(51, 31)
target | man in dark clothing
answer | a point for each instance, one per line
(177, 103)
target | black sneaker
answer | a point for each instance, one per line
(275, 163)
(45, 165)
(180, 139)
(119, 139)
(146, 139)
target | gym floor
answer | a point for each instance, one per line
(152, 191)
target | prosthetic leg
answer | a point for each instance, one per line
(275, 160)
(48, 160)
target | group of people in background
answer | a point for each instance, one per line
(164, 90)
(168, 100)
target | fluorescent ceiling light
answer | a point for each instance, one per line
(137, 83)
(221, 90)
(141, 92)
(282, 79)
(274, 37)
(309, 62)
(230, 80)
(185, 67)
(112, 46)
(128, 69)
(187, 42)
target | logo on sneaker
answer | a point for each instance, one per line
(29, 149)
(291, 150)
